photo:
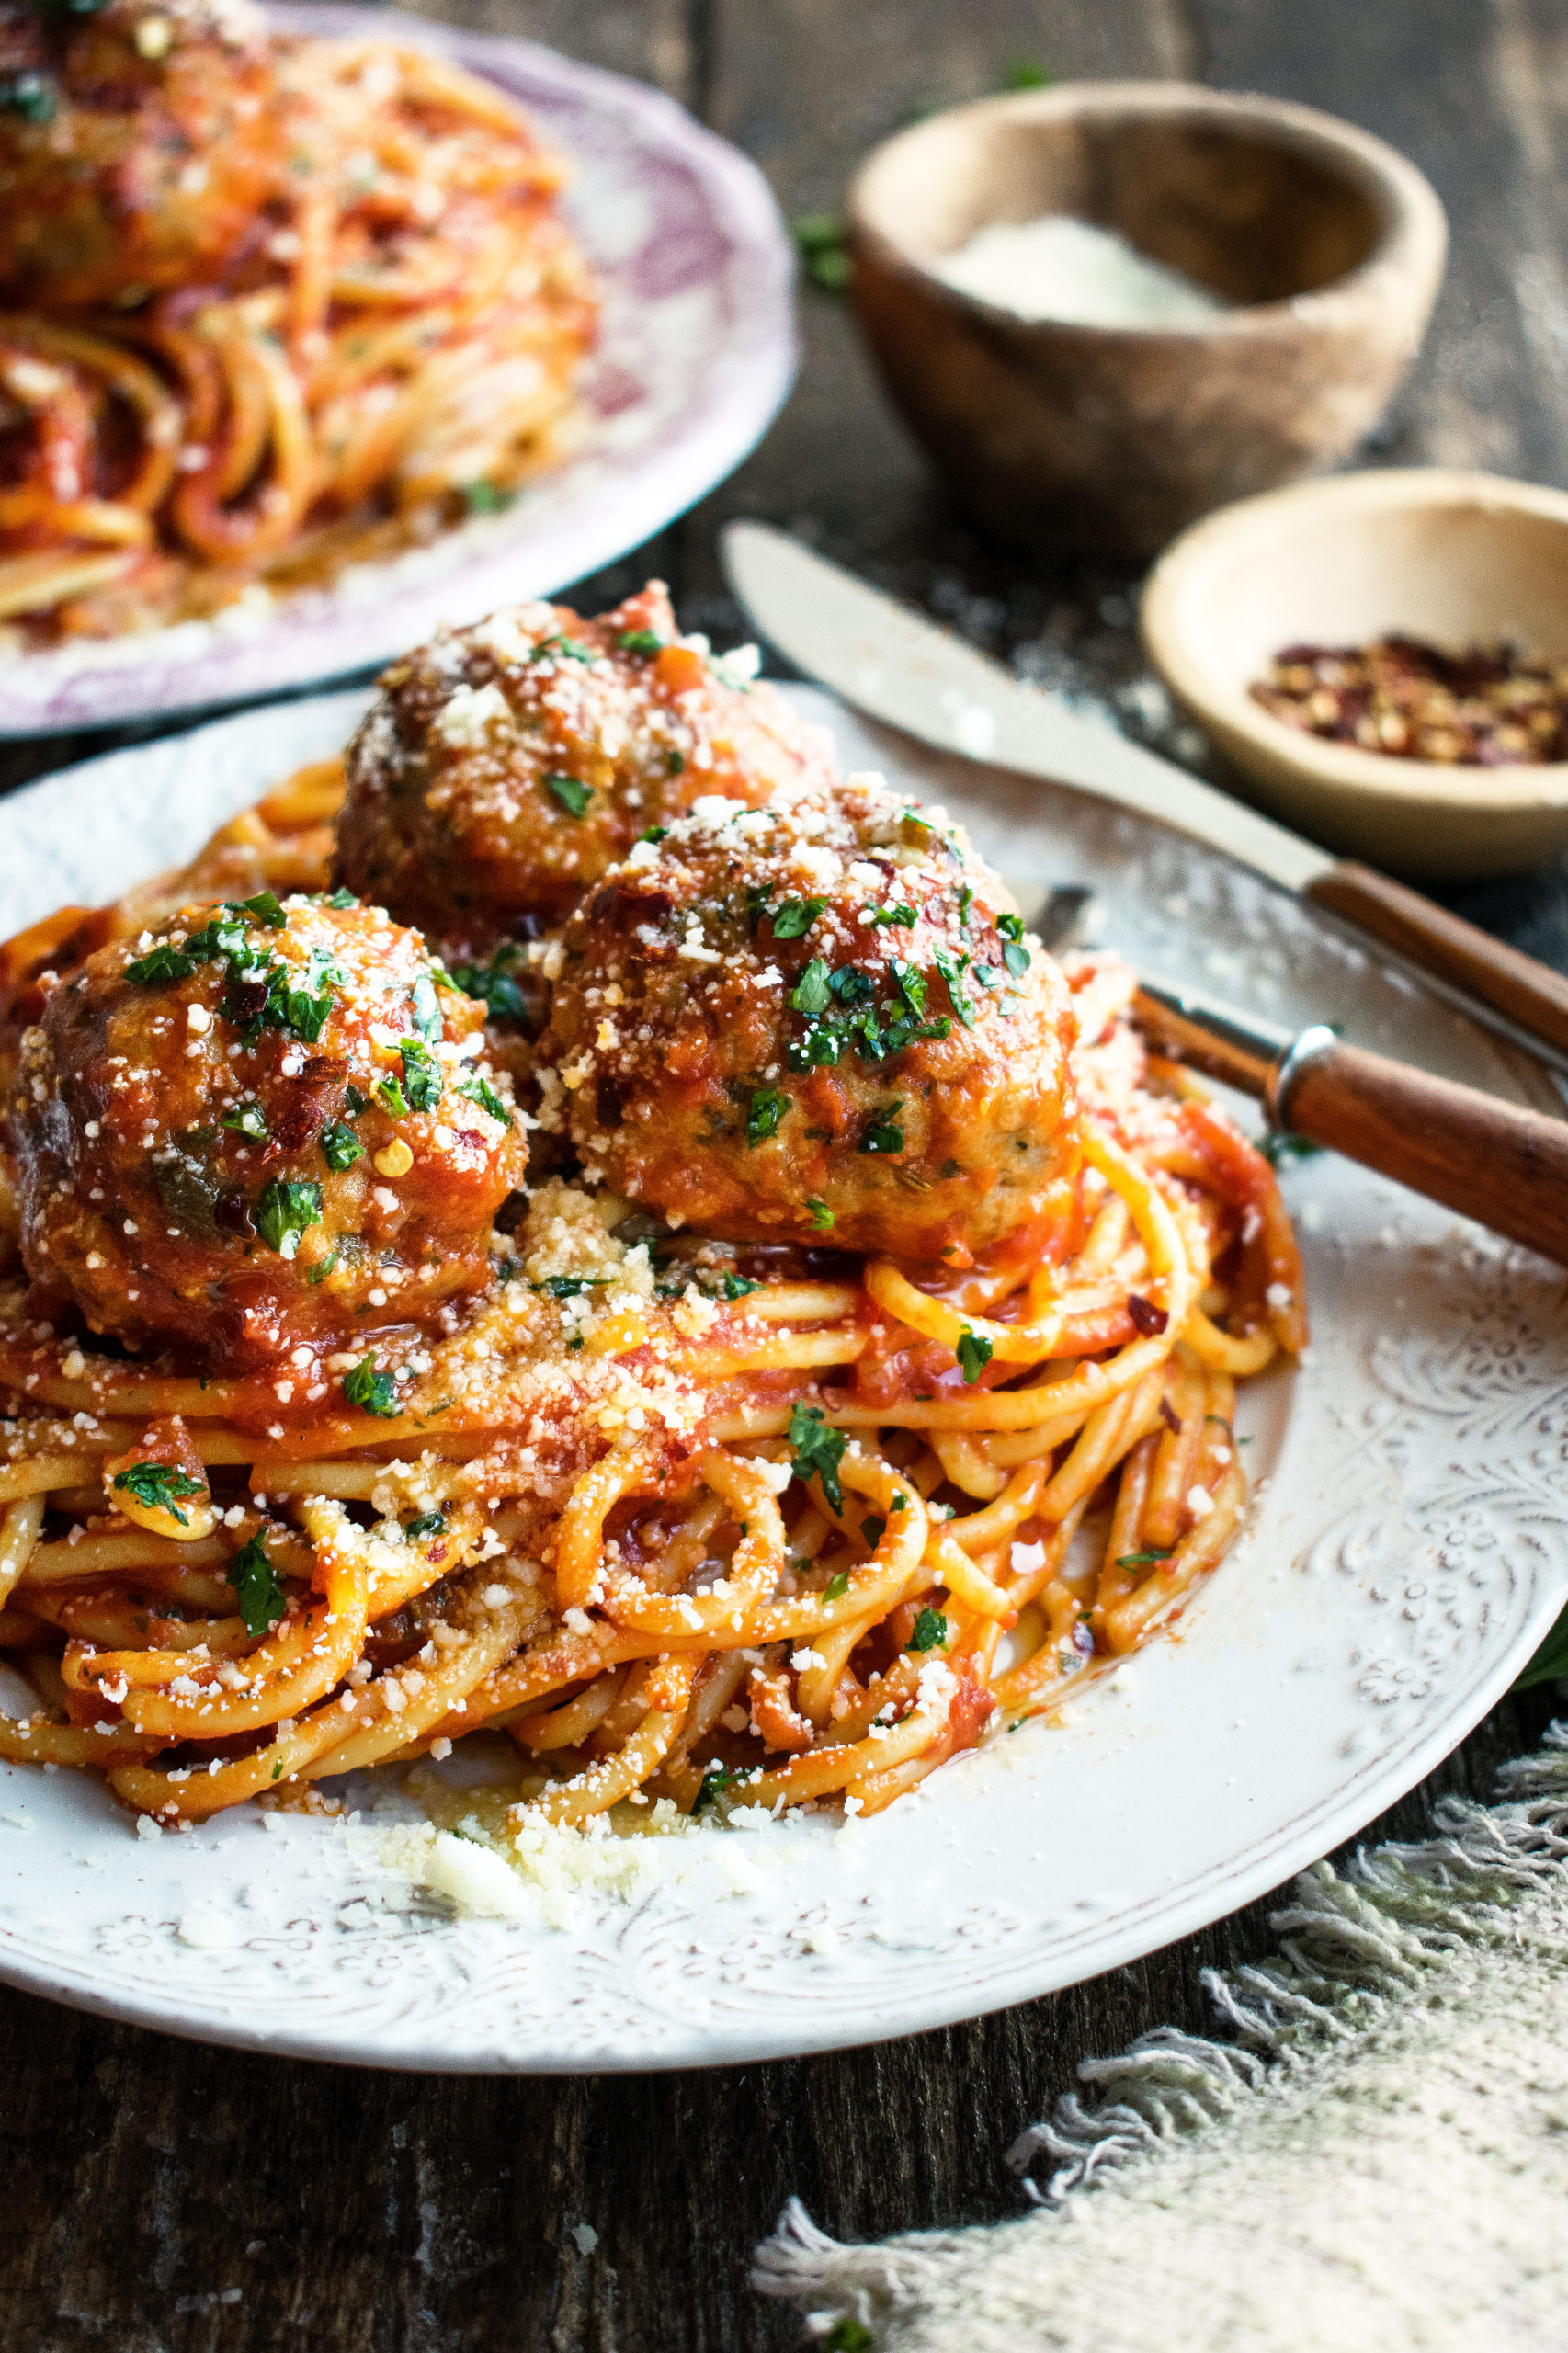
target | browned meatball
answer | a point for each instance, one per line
(259, 1128)
(818, 1020)
(138, 144)
(506, 768)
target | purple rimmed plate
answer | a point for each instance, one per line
(695, 356)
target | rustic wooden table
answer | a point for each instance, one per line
(157, 2197)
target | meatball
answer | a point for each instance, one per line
(258, 1127)
(138, 145)
(818, 1019)
(507, 768)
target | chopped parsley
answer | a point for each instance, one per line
(479, 1091)
(257, 1588)
(482, 497)
(822, 1216)
(266, 907)
(653, 832)
(426, 1007)
(569, 649)
(885, 1134)
(811, 992)
(284, 1213)
(318, 1274)
(675, 763)
(261, 993)
(421, 1074)
(375, 1392)
(28, 95)
(763, 1112)
(570, 1286)
(793, 917)
(729, 1287)
(492, 983)
(164, 962)
(816, 1451)
(966, 900)
(429, 1523)
(951, 973)
(340, 1146)
(157, 1486)
(301, 1011)
(973, 1355)
(1155, 1553)
(715, 1781)
(930, 1632)
(1014, 955)
(847, 2335)
(836, 1587)
(879, 918)
(873, 1529)
(842, 1015)
(391, 1097)
(640, 641)
(818, 237)
(1278, 1148)
(571, 795)
(356, 1101)
(340, 899)
(246, 1120)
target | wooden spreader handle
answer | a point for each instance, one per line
(1529, 993)
(1506, 1167)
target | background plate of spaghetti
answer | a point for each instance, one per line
(403, 321)
(1082, 1615)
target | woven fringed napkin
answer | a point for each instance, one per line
(1374, 2153)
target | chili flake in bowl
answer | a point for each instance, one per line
(1477, 706)
(1307, 630)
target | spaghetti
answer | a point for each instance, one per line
(341, 311)
(706, 1522)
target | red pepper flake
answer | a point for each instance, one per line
(1147, 1318)
(1477, 706)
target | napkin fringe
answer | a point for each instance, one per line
(1356, 1944)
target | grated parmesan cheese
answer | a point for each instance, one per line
(471, 710)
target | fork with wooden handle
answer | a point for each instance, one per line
(1496, 1162)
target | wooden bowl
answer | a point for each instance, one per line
(1330, 244)
(1453, 557)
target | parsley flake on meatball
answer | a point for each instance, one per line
(508, 767)
(258, 1126)
(819, 1020)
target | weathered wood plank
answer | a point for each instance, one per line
(1487, 129)
(141, 2178)
(806, 86)
(650, 39)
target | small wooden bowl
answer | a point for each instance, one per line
(1330, 243)
(1453, 557)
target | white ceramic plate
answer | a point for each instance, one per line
(696, 352)
(1407, 1550)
